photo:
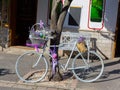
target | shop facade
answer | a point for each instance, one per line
(100, 18)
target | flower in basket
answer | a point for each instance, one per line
(81, 39)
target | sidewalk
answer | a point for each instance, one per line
(9, 80)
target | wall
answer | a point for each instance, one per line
(42, 10)
(4, 30)
(110, 15)
(104, 40)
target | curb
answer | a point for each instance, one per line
(35, 86)
(16, 85)
(18, 50)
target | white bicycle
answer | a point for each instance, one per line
(32, 66)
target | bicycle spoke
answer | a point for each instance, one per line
(93, 67)
(30, 73)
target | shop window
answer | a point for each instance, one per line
(74, 16)
(96, 10)
(3, 12)
(4, 40)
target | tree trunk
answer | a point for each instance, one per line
(56, 26)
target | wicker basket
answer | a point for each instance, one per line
(38, 41)
(81, 47)
(38, 35)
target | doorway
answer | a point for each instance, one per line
(26, 11)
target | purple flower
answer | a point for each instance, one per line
(41, 24)
(81, 39)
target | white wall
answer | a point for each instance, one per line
(42, 11)
(110, 16)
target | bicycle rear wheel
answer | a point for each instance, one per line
(31, 67)
(88, 67)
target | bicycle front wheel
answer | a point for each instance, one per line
(88, 67)
(31, 67)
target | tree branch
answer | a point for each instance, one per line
(54, 15)
(62, 16)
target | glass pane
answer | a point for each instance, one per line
(96, 10)
(74, 16)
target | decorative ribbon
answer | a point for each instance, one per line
(54, 59)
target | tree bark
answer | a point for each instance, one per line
(56, 26)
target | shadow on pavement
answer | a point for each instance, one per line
(112, 63)
(5, 72)
(112, 73)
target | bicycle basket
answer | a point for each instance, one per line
(39, 34)
(38, 41)
(81, 47)
(39, 31)
(81, 44)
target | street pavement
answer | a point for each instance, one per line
(110, 80)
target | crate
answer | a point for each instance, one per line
(68, 40)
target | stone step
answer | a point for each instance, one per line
(16, 49)
(22, 49)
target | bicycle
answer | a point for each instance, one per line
(87, 66)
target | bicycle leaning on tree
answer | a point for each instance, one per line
(32, 66)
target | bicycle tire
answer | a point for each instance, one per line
(25, 70)
(88, 69)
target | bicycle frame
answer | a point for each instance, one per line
(85, 61)
(67, 63)
(69, 58)
(37, 61)
(72, 40)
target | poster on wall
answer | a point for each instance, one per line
(96, 14)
